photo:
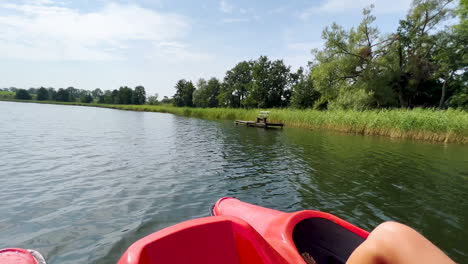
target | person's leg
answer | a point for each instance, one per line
(394, 243)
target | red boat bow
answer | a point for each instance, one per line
(239, 232)
(217, 239)
(278, 227)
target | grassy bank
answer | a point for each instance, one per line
(423, 124)
(7, 95)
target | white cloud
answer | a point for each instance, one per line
(179, 52)
(342, 6)
(225, 7)
(47, 31)
(247, 14)
(234, 20)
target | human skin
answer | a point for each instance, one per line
(395, 243)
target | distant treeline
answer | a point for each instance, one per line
(422, 64)
(123, 95)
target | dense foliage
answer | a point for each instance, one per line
(422, 64)
(184, 94)
(42, 94)
(22, 94)
(124, 95)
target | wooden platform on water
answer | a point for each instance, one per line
(258, 124)
(261, 121)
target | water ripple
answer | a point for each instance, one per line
(84, 183)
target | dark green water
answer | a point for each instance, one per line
(81, 184)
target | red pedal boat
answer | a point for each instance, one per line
(239, 232)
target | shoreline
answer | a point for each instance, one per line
(450, 126)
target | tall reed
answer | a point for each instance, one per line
(425, 124)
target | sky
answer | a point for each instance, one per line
(106, 44)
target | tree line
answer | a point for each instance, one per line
(422, 64)
(123, 95)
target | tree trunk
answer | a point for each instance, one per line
(402, 84)
(401, 97)
(444, 90)
(442, 97)
(401, 81)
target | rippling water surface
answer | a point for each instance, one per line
(81, 184)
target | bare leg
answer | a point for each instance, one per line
(394, 243)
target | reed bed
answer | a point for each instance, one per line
(422, 124)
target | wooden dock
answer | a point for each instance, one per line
(261, 121)
(259, 124)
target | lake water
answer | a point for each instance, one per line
(81, 184)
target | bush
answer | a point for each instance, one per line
(358, 100)
(88, 98)
(460, 100)
(22, 94)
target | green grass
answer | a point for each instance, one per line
(7, 95)
(423, 124)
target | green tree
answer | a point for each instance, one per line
(125, 95)
(200, 95)
(451, 62)
(32, 91)
(106, 98)
(52, 93)
(352, 62)
(184, 93)
(460, 99)
(462, 13)
(42, 94)
(115, 97)
(414, 67)
(303, 93)
(73, 94)
(139, 95)
(460, 82)
(234, 89)
(206, 94)
(86, 97)
(62, 95)
(153, 100)
(167, 100)
(213, 88)
(270, 84)
(22, 94)
(97, 93)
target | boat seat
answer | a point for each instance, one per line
(210, 240)
(326, 241)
